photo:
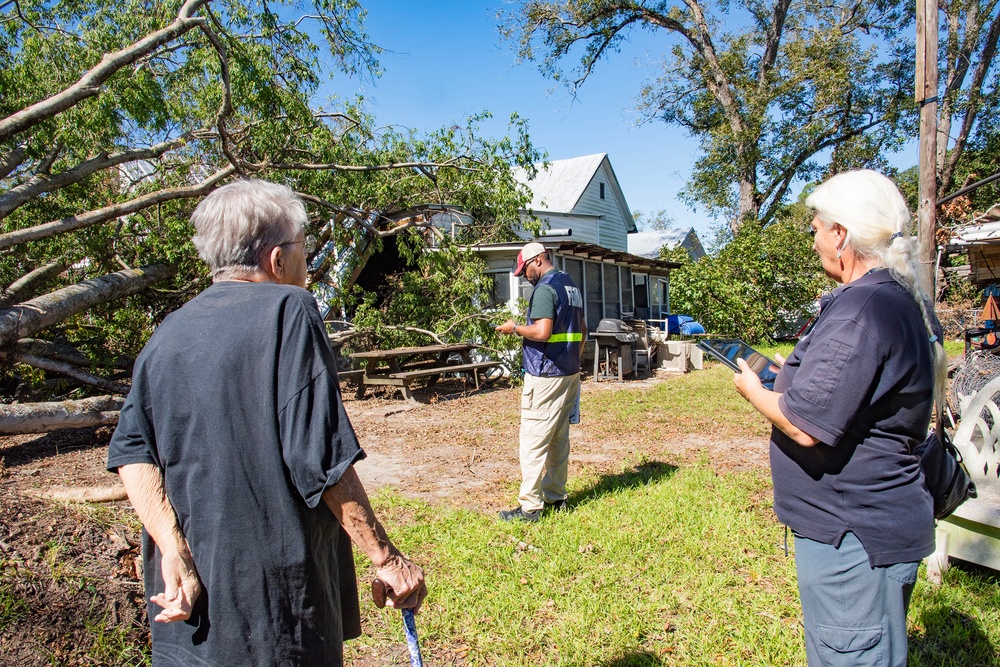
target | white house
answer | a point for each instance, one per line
(586, 225)
(580, 198)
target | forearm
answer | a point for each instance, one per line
(766, 402)
(348, 501)
(144, 485)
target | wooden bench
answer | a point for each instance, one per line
(972, 533)
(436, 371)
(351, 376)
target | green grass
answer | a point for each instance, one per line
(655, 565)
(12, 605)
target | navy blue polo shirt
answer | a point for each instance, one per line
(861, 383)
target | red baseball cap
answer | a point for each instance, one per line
(528, 253)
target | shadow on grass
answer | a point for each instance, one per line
(643, 474)
(640, 659)
(951, 638)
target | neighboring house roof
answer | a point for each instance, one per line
(648, 244)
(558, 187)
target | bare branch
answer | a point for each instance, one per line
(90, 83)
(44, 417)
(51, 350)
(43, 182)
(32, 316)
(73, 372)
(71, 223)
(13, 160)
(22, 288)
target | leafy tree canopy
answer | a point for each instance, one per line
(770, 89)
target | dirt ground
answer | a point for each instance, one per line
(73, 570)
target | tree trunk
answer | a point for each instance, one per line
(44, 417)
(32, 316)
(749, 208)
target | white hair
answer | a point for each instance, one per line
(240, 222)
(871, 209)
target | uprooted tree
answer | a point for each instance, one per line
(116, 117)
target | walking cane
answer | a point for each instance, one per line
(379, 592)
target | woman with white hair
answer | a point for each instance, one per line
(848, 407)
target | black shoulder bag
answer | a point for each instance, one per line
(944, 472)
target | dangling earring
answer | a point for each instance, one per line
(838, 253)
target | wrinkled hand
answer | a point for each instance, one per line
(403, 584)
(746, 380)
(181, 588)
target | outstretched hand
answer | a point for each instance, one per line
(181, 588)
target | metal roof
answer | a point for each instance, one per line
(558, 188)
(648, 244)
(587, 251)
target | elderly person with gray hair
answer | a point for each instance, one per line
(848, 408)
(238, 457)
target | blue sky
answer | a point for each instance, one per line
(445, 61)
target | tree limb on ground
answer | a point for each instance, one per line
(21, 418)
(81, 494)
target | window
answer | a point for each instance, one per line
(602, 190)
(497, 289)
(627, 305)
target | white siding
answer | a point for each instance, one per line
(613, 231)
(584, 229)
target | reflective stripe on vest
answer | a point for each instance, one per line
(565, 338)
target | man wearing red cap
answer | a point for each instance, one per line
(553, 343)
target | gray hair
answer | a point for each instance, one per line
(870, 207)
(240, 222)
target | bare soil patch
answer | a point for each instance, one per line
(72, 569)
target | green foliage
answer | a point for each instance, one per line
(654, 220)
(756, 287)
(767, 89)
(442, 291)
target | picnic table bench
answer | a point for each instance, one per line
(972, 533)
(402, 366)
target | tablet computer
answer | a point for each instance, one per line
(728, 350)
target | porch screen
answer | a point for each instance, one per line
(594, 295)
(612, 294)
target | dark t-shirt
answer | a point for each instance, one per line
(861, 383)
(235, 399)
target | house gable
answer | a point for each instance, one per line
(582, 195)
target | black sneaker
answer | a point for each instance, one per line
(557, 506)
(518, 514)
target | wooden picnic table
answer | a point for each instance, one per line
(401, 366)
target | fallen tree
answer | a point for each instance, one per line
(45, 417)
(115, 122)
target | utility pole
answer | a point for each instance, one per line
(926, 96)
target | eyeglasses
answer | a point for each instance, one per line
(308, 244)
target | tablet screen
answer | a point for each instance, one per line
(728, 350)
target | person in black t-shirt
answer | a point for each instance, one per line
(848, 408)
(237, 454)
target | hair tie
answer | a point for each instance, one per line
(896, 235)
